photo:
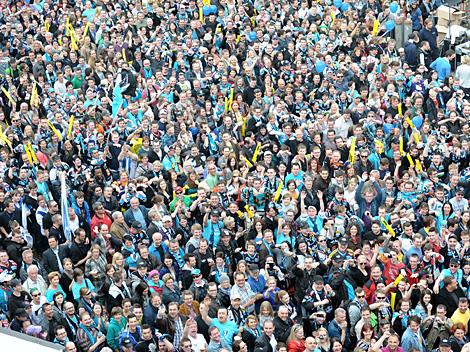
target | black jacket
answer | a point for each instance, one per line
(282, 329)
(49, 259)
(263, 344)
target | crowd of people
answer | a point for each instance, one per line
(233, 176)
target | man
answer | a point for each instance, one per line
(52, 258)
(28, 260)
(305, 276)
(266, 342)
(60, 336)
(462, 315)
(449, 295)
(393, 343)
(49, 322)
(80, 249)
(89, 338)
(151, 310)
(133, 332)
(282, 324)
(70, 347)
(173, 323)
(34, 280)
(191, 332)
(338, 328)
(215, 343)
(71, 320)
(100, 218)
(136, 212)
(412, 337)
(243, 290)
(436, 328)
(228, 329)
(356, 305)
(118, 228)
(442, 65)
(149, 342)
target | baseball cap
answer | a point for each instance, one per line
(141, 264)
(137, 225)
(127, 343)
(444, 343)
(343, 241)
(166, 218)
(235, 296)
(195, 272)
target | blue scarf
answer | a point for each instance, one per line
(88, 333)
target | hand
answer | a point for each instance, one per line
(344, 325)
(101, 338)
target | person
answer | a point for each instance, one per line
(266, 342)
(88, 336)
(295, 341)
(217, 147)
(412, 337)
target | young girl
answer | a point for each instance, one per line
(266, 312)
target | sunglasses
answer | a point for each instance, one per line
(454, 265)
(361, 296)
(380, 297)
(36, 295)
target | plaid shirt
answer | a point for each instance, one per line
(245, 293)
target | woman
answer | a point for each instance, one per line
(95, 266)
(171, 292)
(323, 340)
(271, 291)
(367, 337)
(296, 340)
(400, 318)
(283, 299)
(80, 282)
(58, 305)
(54, 286)
(336, 345)
(66, 278)
(86, 300)
(240, 346)
(119, 264)
(251, 331)
(99, 317)
(424, 307)
(266, 312)
(458, 338)
(141, 294)
(359, 273)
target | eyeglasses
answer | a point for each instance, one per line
(380, 297)
(188, 346)
(321, 240)
(362, 263)
(88, 293)
(36, 295)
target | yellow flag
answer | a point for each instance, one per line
(67, 27)
(33, 153)
(398, 279)
(247, 162)
(381, 146)
(248, 211)
(410, 160)
(408, 120)
(239, 213)
(255, 154)
(230, 101)
(73, 43)
(69, 132)
(333, 17)
(402, 153)
(28, 154)
(416, 137)
(226, 104)
(418, 166)
(85, 31)
(4, 139)
(47, 26)
(400, 112)
(352, 150)
(34, 100)
(375, 30)
(278, 192)
(201, 16)
(8, 96)
(123, 51)
(393, 297)
(390, 230)
(244, 125)
(52, 127)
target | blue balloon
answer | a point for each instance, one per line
(206, 10)
(337, 3)
(213, 9)
(390, 25)
(345, 7)
(394, 7)
(252, 36)
(417, 121)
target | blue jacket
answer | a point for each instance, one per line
(361, 202)
(411, 340)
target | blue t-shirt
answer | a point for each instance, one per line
(227, 330)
